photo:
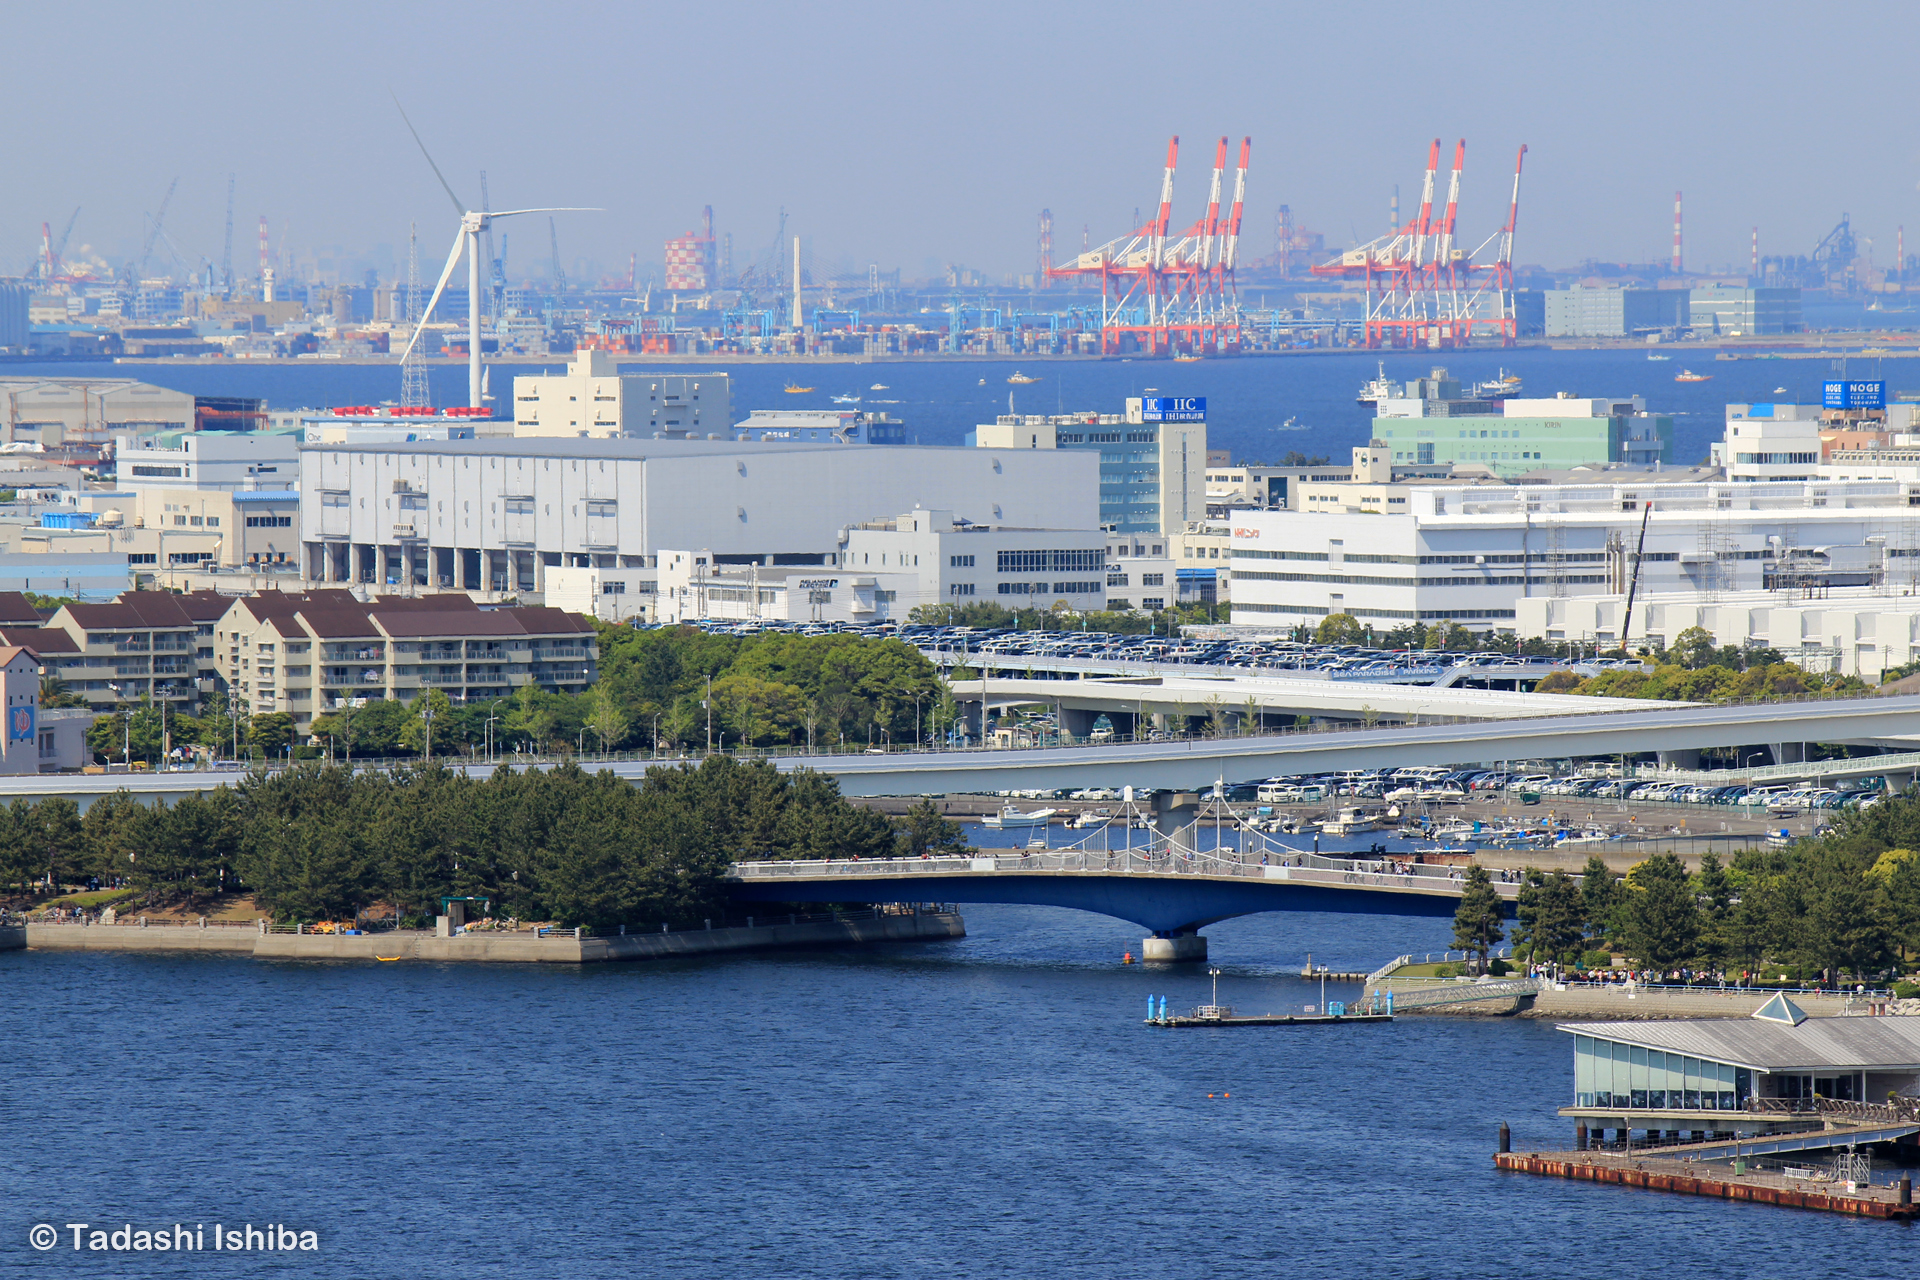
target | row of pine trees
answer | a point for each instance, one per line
(563, 844)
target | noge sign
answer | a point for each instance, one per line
(1173, 409)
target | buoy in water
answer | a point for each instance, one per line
(1127, 958)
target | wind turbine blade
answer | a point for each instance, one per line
(453, 260)
(457, 206)
(508, 213)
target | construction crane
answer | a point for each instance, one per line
(226, 253)
(1422, 289)
(60, 246)
(559, 272)
(153, 231)
(1164, 293)
(766, 270)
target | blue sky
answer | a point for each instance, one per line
(915, 134)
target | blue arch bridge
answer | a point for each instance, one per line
(1169, 886)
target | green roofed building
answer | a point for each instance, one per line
(1515, 436)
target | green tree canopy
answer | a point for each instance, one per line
(1477, 924)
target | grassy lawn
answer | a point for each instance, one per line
(1431, 970)
(90, 901)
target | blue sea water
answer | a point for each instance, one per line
(1259, 408)
(990, 1107)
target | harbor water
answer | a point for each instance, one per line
(991, 1107)
(1258, 408)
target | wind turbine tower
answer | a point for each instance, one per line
(474, 225)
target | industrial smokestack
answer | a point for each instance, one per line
(1676, 233)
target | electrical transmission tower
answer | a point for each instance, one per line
(413, 369)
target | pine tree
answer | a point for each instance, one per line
(1662, 918)
(1714, 891)
(1600, 900)
(1477, 924)
(1559, 919)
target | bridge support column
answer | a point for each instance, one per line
(973, 718)
(1688, 758)
(1173, 947)
(1173, 810)
(1788, 752)
(1076, 725)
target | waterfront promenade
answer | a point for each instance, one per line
(544, 946)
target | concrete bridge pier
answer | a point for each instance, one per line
(1174, 946)
(1788, 752)
(1076, 724)
(1688, 758)
(1173, 810)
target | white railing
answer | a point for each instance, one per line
(1857, 765)
(1398, 962)
(1461, 993)
(1160, 858)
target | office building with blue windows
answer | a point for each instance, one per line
(1153, 457)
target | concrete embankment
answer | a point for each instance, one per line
(13, 937)
(503, 947)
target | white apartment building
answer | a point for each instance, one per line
(1475, 554)
(309, 653)
(494, 515)
(595, 400)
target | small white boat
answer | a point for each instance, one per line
(1093, 818)
(879, 386)
(1349, 822)
(1779, 391)
(1011, 816)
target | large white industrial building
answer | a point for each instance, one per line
(1855, 631)
(493, 515)
(1477, 553)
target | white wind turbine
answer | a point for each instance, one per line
(472, 226)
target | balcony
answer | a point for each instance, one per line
(354, 653)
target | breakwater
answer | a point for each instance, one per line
(502, 946)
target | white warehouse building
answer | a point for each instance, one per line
(1863, 631)
(1476, 554)
(493, 515)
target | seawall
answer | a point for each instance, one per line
(13, 937)
(857, 928)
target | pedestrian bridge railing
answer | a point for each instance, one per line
(1425, 996)
(1162, 859)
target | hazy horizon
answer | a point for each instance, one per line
(916, 138)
